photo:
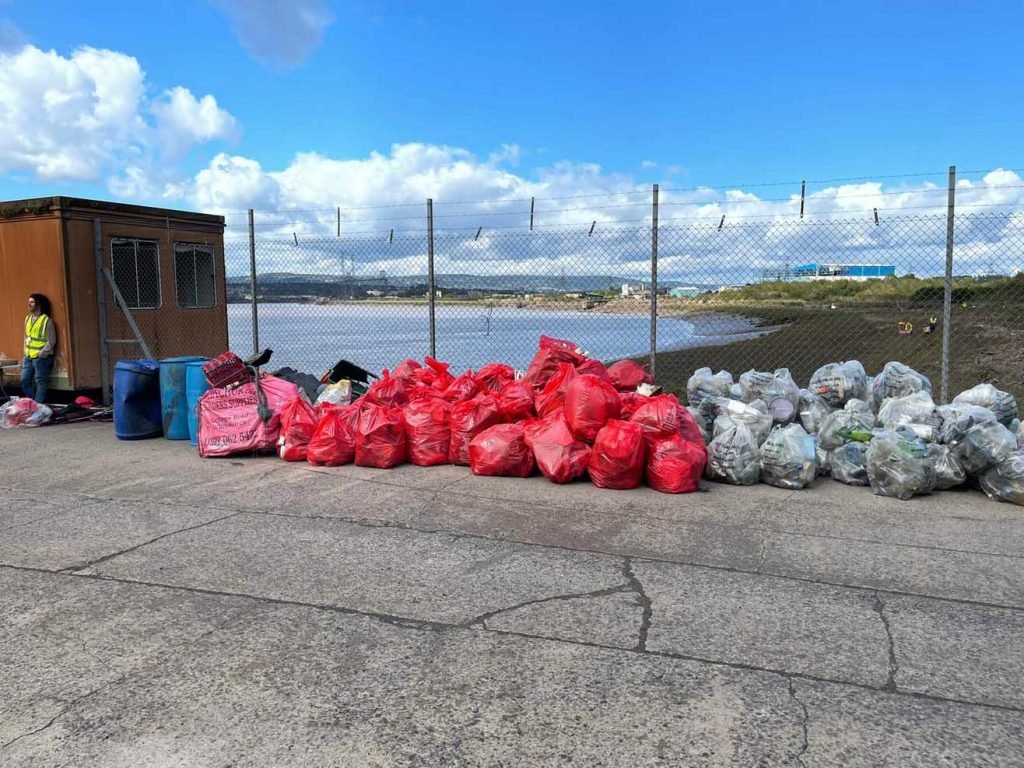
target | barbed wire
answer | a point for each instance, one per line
(722, 205)
(647, 191)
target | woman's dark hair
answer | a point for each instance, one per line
(42, 303)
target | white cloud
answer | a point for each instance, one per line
(182, 118)
(77, 118)
(648, 164)
(281, 33)
(382, 192)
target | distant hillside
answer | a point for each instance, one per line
(306, 283)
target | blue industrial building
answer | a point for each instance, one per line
(819, 271)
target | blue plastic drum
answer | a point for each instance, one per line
(195, 385)
(173, 400)
(137, 399)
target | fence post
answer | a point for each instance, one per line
(654, 283)
(430, 274)
(252, 285)
(947, 299)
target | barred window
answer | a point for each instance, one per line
(195, 275)
(136, 267)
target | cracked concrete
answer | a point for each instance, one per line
(158, 608)
(894, 667)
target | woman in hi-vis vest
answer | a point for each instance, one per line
(40, 339)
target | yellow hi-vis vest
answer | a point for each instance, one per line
(35, 335)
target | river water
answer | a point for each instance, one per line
(312, 337)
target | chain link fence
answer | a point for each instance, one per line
(732, 294)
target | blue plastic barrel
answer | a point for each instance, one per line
(173, 400)
(137, 399)
(195, 385)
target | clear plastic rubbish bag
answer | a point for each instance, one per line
(852, 424)
(916, 411)
(949, 472)
(702, 423)
(838, 383)
(956, 419)
(898, 465)
(824, 461)
(1005, 481)
(1002, 404)
(983, 446)
(734, 457)
(812, 410)
(897, 380)
(789, 458)
(777, 389)
(732, 412)
(704, 384)
(849, 463)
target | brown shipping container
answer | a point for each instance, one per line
(169, 267)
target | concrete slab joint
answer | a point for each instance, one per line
(798, 757)
(890, 684)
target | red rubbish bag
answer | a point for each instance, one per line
(380, 437)
(589, 403)
(617, 458)
(334, 442)
(675, 465)
(428, 430)
(515, 402)
(437, 372)
(594, 367)
(626, 375)
(663, 416)
(405, 371)
(545, 363)
(552, 397)
(630, 401)
(495, 376)
(501, 451)
(462, 387)
(387, 391)
(470, 418)
(559, 455)
(298, 423)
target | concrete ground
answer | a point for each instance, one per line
(159, 609)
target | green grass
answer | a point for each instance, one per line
(987, 338)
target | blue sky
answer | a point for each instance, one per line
(490, 99)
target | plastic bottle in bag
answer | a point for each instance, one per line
(789, 458)
(1005, 480)
(812, 410)
(854, 423)
(837, 383)
(897, 380)
(704, 384)
(734, 412)
(956, 419)
(849, 463)
(915, 410)
(1002, 404)
(898, 465)
(984, 445)
(949, 472)
(734, 457)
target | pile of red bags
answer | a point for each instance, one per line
(567, 416)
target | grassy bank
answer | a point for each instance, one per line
(987, 338)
